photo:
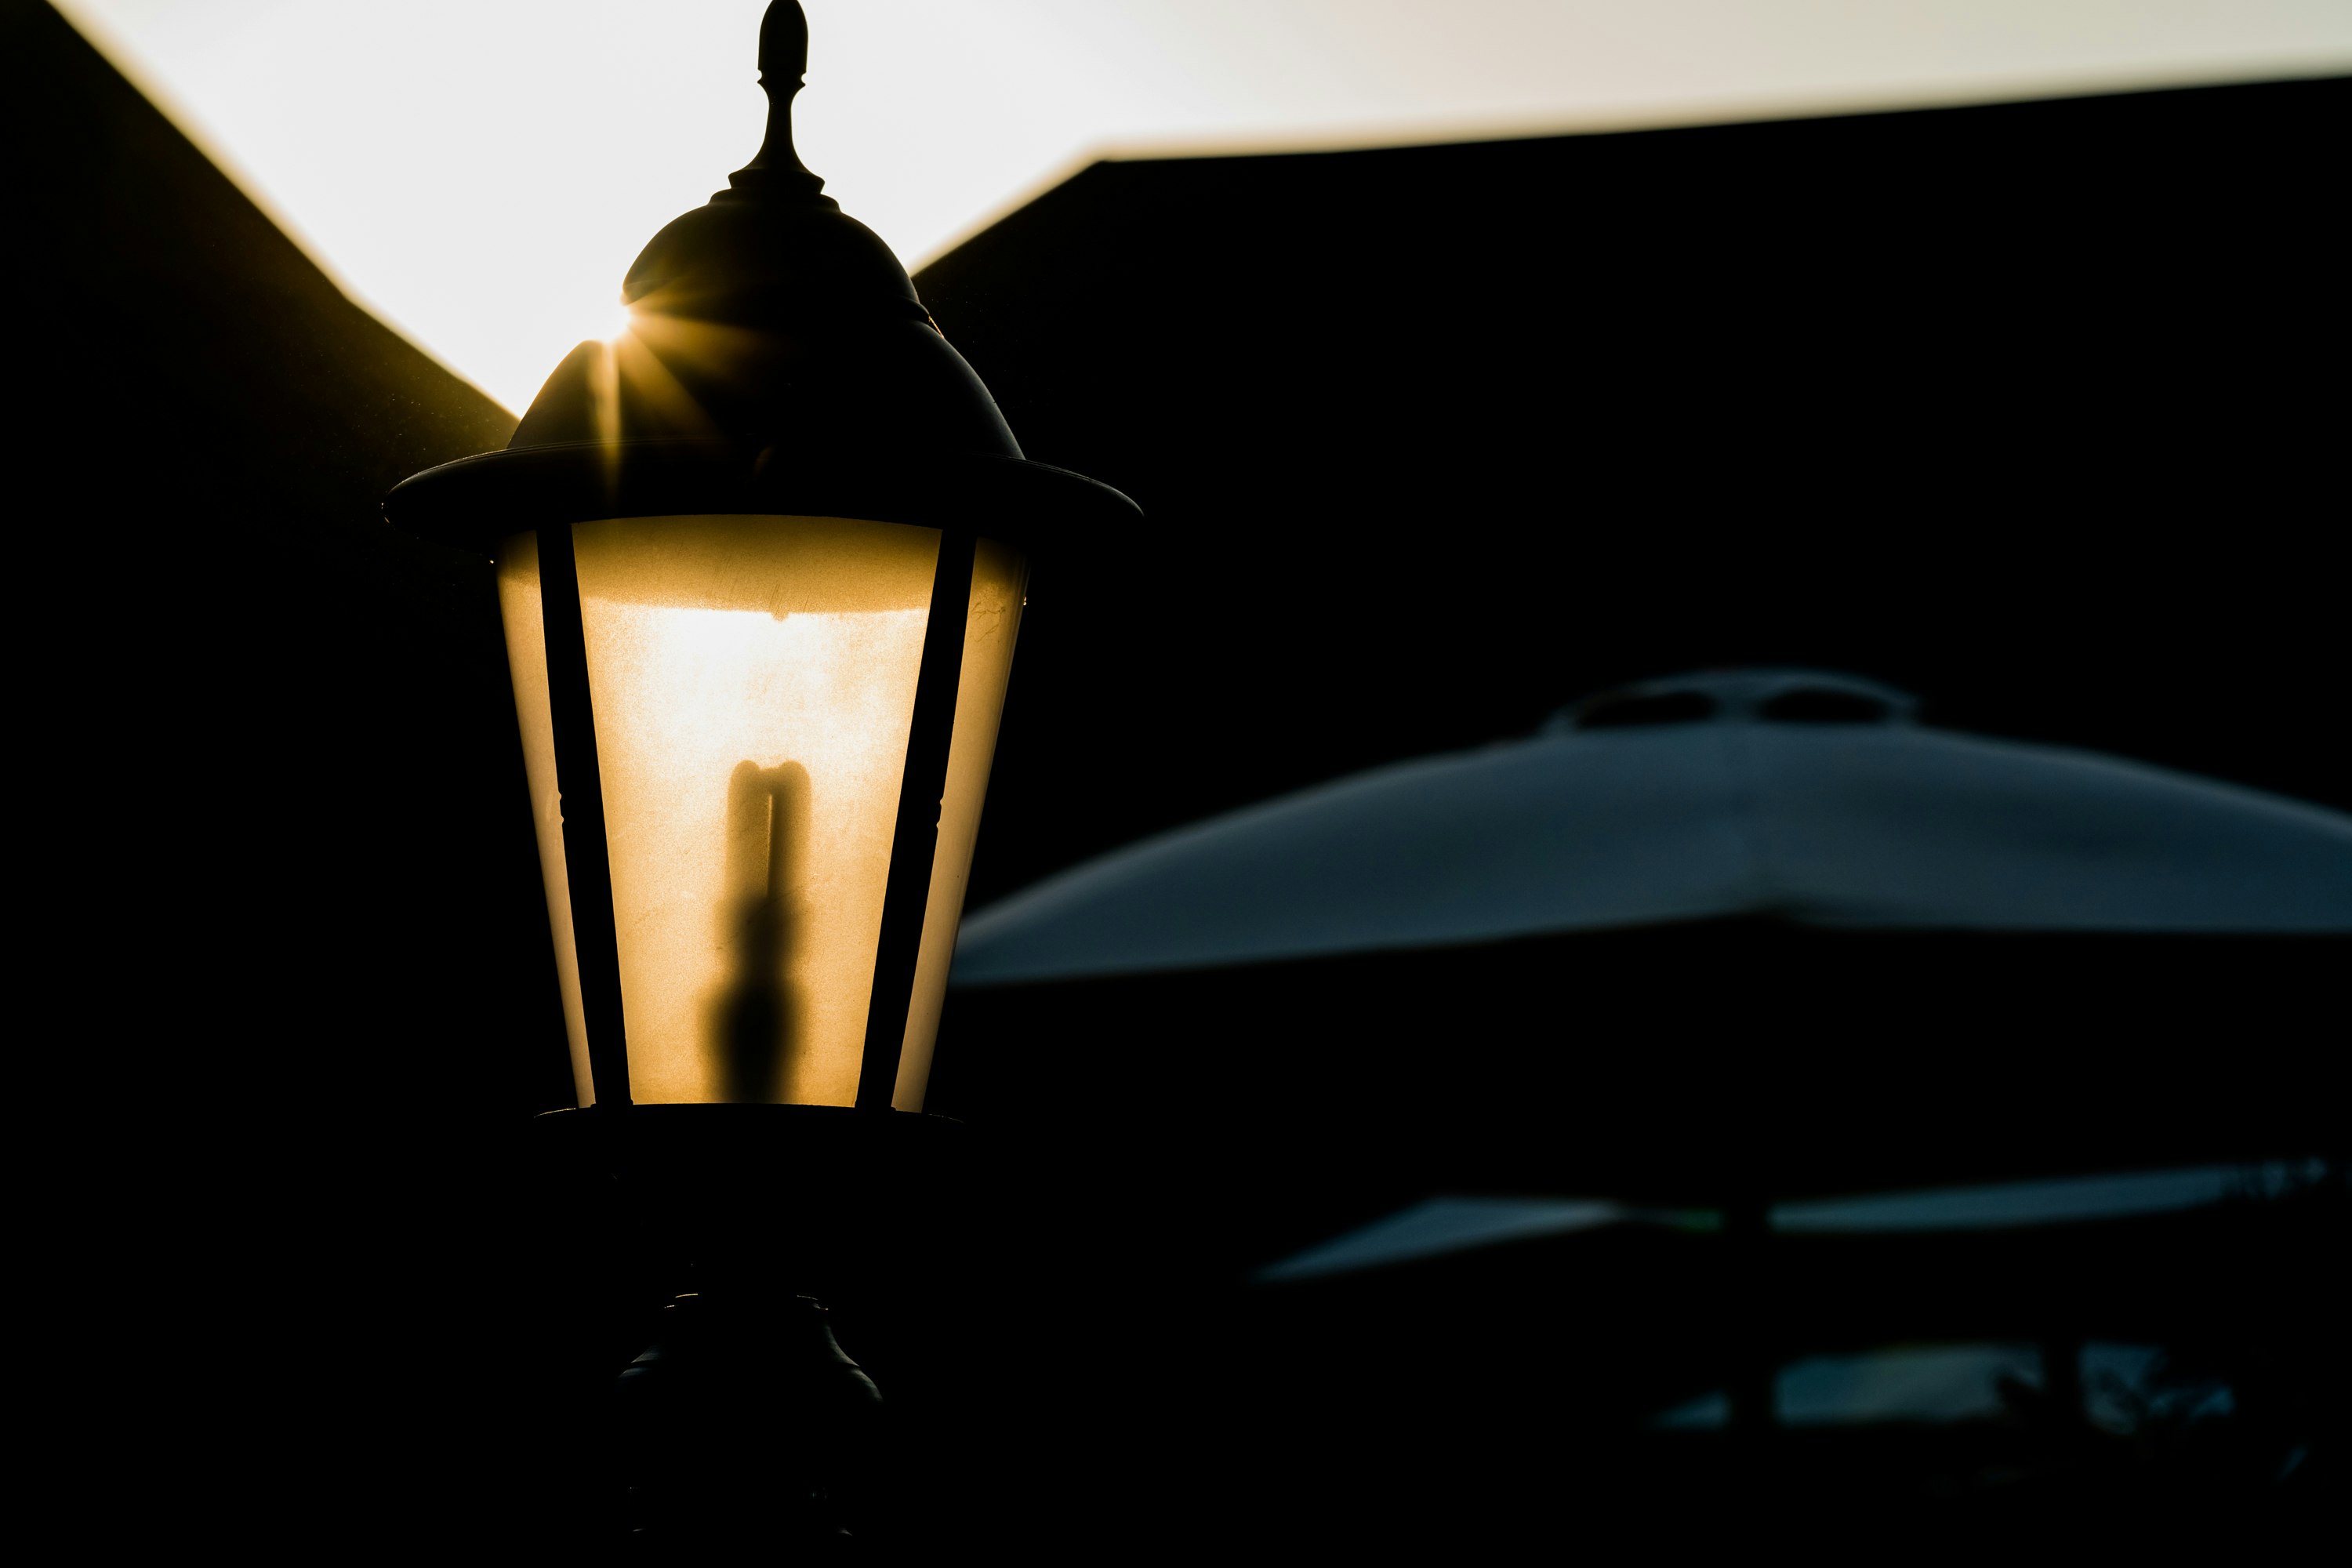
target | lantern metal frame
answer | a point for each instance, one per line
(474, 501)
(811, 381)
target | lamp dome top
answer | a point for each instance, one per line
(778, 359)
(768, 319)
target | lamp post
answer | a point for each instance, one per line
(761, 561)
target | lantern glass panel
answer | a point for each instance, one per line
(753, 680)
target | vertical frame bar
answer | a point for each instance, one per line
(580, 787)
(915, 842)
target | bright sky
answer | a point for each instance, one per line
(481, 173)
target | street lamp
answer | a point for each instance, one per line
(761, 561)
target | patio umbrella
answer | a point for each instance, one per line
(1722, 940)
(1437, 1226)
(1812, 797)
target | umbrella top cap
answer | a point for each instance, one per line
(1740, 696)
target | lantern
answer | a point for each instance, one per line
(762, 562)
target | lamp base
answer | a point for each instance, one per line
(742, 1424)
(744, 1427)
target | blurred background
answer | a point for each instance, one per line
(1466, 362)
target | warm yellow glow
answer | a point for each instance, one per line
(999, 580)
(640, 360)
(754, 679)
(623, 320)
(519, 606)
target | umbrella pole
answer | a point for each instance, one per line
(1747, 1235)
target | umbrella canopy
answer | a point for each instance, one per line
(1808, 796)
(1436, 1226)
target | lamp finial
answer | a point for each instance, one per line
(776, 169)
(783, 41)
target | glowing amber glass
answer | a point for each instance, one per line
(754, 679)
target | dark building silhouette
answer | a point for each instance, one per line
(287, 923)
(2031, 408)
(2025, 407)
